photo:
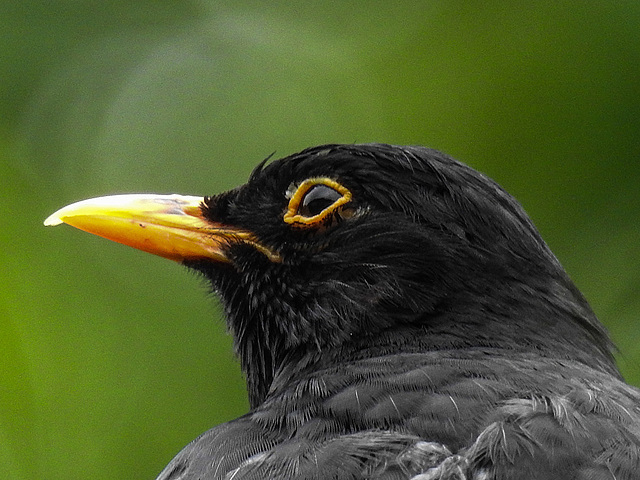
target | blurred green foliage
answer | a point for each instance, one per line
(111, 360)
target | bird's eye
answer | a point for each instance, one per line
(314, 200)
(317, 199)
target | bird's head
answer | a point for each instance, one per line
(340, 246)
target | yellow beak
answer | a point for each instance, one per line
(171, 226)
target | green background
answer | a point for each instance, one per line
(111, 360)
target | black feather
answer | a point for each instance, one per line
(429, 333)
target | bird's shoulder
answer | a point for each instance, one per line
(396, 416)
(590, 430)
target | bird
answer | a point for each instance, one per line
(396, 315)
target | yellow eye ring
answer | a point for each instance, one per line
(293, 215)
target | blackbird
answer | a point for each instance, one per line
(397, 316)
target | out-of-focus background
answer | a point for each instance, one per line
(111, 360)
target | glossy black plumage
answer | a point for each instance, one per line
(429, 334)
